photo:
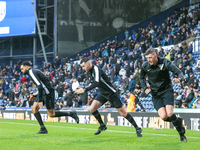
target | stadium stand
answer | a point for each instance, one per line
(177, 37)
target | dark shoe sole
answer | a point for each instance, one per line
(99, 131)
(45, 132)
(140, 133)
(183, 139)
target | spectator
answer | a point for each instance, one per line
(68, 97)
(185, 105)
(184, 46)
(126, 33)
(178, 60)
(122, 72)
(192, 78)
(126, 83)
(58, 105)
(132, 83)
(60, 89)
(190, 59)
(75, 84)
(178, 101)
(190, 48)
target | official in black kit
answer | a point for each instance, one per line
(156, 69)
(106, 93)
(45, 94)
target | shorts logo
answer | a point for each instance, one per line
(2, 10)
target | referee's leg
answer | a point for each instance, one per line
(35, 110)
(177, 122)
(52, 113)
(73, 114)
(126, 115)
(167, 114)
(93, 109)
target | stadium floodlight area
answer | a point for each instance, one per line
(17, 18)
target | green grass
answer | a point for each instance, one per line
(20, 135)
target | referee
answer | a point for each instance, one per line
(157, 70)
(45, 94)
(106, 93)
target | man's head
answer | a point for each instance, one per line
(25, 66)
(152, 56)
(86, 64)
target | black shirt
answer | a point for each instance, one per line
(101, 80)
(158, 76)
(41, 81)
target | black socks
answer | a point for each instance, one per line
(39, 119)
(98, 117)
(168, 120)
(173, 118)
(131, 120)
(177, 122)
(59, 113)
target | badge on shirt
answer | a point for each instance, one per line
(161, 66)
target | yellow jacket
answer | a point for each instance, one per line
(131, 104)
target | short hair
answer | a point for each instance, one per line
(84, 60)
(185, 105)
(26, 63)
(151, 51)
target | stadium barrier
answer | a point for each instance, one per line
(112, 117)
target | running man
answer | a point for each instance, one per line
(157, 70)
(106, 93)
(45, 94)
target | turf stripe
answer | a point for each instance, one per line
(96, 129)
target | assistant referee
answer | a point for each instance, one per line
(45, 95)
(106, 93)
(156, 69)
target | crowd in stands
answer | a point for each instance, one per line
(121, 61)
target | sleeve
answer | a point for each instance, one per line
(36, 80)
(142, 78)
(97, 75)
(35, 94)
(65, 97)
(174, 69)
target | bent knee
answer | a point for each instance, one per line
(92, 110)
(51, 115)
(34, 110)
(163, 117)
(123, 114)
(170, 114)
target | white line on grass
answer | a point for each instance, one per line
(95, 129)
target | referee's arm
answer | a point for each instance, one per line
(142, 78)
(175, 70)
(97, 75)
(37, 82)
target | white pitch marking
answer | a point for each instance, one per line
(95, 129)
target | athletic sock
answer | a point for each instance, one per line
(168, 120)
(39, 119)
(59, 113)
(97, 115)
(131, 120)
(176, 122)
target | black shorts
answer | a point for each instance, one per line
(114, 100)
(48, 99)
(167, 98)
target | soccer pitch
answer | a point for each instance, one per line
(20, 135)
